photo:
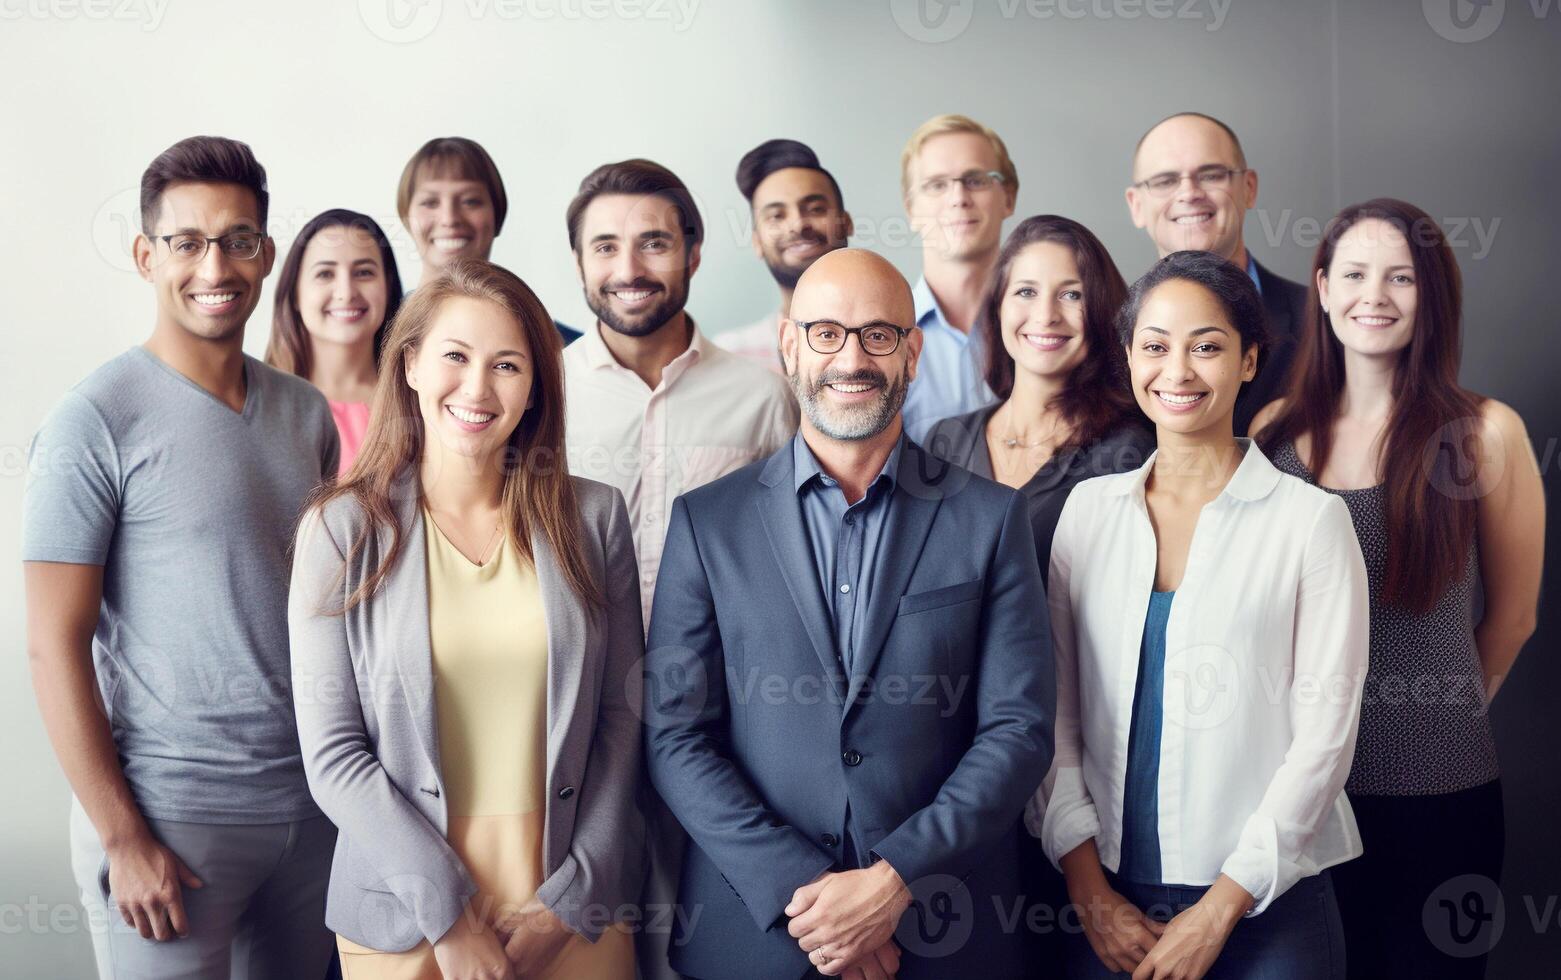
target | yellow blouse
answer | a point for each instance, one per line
(488, 632)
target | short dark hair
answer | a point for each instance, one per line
(1230, 284)
(203, 160)
(636, 177)
(456, 156)
(780, 154)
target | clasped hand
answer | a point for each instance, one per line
(845, 921)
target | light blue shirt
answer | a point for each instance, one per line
(950, 378)
(1252, 271)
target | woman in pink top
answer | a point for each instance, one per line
(335, 297)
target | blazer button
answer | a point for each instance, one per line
(566, 792)
(852, 757)
(830, 840)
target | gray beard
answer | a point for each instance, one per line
(864, 422)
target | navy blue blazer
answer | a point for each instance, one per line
(759, 740)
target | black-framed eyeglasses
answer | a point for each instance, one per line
(877, 338)
(1208, 178)
(975, 182)
(188, 247)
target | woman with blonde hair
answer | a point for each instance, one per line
(465, 632)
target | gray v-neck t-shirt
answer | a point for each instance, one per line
(190, 508)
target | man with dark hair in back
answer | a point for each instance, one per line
(160, 507)
(1192, 189)
(798, 216)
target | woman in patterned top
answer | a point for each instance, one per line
(1442, 487)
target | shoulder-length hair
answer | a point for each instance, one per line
(1431, 431)
(537, 495)
(289, 348)
(1096, 399)
(459, 158)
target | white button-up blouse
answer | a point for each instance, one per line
(1265, 658)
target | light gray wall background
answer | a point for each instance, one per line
(1445, 104)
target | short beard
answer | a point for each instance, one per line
(864, 422)
(672, 303)
(787, 277)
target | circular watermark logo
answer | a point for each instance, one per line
(1464, 916)
(932, 21)
(1459, 464)
(1463, 21)
(940, 919)
(115, 227)
(1202, 686)
(400, 21)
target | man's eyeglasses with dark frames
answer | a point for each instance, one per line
(877, 338)
(188, 247)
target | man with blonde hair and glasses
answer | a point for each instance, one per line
(958, 185)
(1192, 189)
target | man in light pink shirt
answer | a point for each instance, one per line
(798, 215)
(653, 408)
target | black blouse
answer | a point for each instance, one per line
(961, 440)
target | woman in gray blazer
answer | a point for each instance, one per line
(465, 624)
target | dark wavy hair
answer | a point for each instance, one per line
(1096, 399)
(288, 349)
(1432, 432)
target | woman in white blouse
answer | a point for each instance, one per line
(1209, 619)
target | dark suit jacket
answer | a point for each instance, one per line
(1285, 303)
(962, 441)
(759, 740)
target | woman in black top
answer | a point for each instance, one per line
(1449, 508)
(1064, 412)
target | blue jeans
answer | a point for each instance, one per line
(1299, 936)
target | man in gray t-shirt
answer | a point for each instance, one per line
(189, 507)
(162, 495)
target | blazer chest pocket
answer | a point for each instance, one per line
(938, 598)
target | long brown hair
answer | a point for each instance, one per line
(1097, 398)
(289, 348)
(537, 492)
(1430, 434)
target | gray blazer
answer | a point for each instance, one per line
(363, 693)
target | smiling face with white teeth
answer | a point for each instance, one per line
(1369, 289)
(1186, 360)
(1192, 217)
(213, 296)
(1042, 313)
(473, 377)
(341, 290)
(634, 263)
(850, 395)
(450, 218)
(796, 219)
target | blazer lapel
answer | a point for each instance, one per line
(567, 630)
(912, 508)
(405, 598)
(781, 513)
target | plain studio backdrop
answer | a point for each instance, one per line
(1443, 103)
